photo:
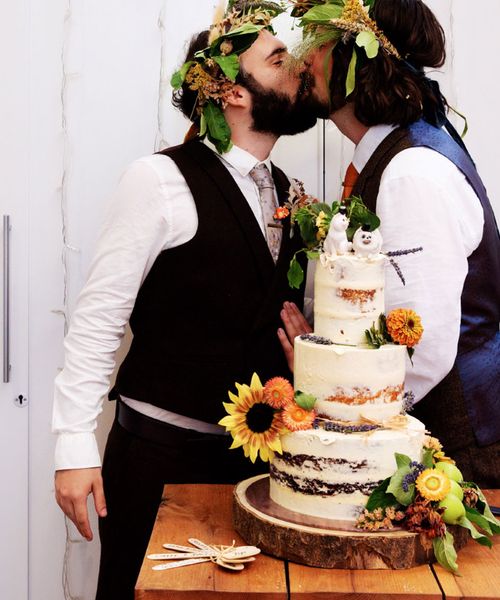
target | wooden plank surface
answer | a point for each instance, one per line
(479, 567)
(308, 583)
(204, 512)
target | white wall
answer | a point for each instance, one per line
(99, 97)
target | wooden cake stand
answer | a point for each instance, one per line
(323, 542)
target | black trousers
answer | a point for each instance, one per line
(134, 472)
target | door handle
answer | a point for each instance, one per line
(6, 298)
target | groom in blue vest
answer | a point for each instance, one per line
(412, 168)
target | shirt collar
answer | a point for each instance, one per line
(369, 143)
(239, 159)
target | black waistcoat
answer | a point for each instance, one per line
(207, 314)
(478, 359)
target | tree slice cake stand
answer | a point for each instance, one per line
(323, 542)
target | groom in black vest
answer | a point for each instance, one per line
(412, 168)
(206, 314)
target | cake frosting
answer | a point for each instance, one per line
(330, 474)
(330, 470)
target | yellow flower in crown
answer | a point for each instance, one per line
(252, 422)
(404, 326)
(433, 484)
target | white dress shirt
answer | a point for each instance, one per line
(152, 210)
(425, 200)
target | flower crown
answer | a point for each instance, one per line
(213, 70)
(333, 20)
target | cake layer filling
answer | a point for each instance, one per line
(350, 383)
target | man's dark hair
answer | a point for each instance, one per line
(184, 98)
(389, 90)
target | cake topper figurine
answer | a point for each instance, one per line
(366, 243)
(336, 241)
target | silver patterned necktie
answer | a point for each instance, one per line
(264, 181)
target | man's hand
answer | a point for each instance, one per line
(72, 489)
(295, 324)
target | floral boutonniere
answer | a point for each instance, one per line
(297, 199)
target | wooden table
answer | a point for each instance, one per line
(204, 512)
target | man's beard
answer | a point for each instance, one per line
(275, 112)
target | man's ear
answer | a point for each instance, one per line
(238, 96)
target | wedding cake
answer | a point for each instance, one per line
(330, 470)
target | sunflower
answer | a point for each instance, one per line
(433, 484)
(278, 392)
(252, 422)
(296, 418)
(404, 326)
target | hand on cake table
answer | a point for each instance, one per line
(294, 324)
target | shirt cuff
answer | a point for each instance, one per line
(76, 451)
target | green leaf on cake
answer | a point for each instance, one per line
(402, 460)
(402, 495)
(481, 521)
(312, 254)
(305, 401)
(427, 458)
(445, 552)
(482, 508)
(380, 498)
(295, 273)
(479, 537)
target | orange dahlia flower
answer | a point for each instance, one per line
(281, 212)
(404, 326)
(296, 418)
(278, 392)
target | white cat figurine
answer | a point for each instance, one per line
(336, 240)
(367, 244)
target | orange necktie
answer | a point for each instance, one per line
(351, 176)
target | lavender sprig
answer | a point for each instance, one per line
(404, 252)
(401, 253)
(408, 402)
(316, 339)
(340, 428)
(411, 477)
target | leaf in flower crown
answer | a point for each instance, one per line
(350, 82)
(368, 40)
(230, 65)
(475, 535)
(305, 401)
(178, 77)
(324, 13)
(445, 552)
(218, 130)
